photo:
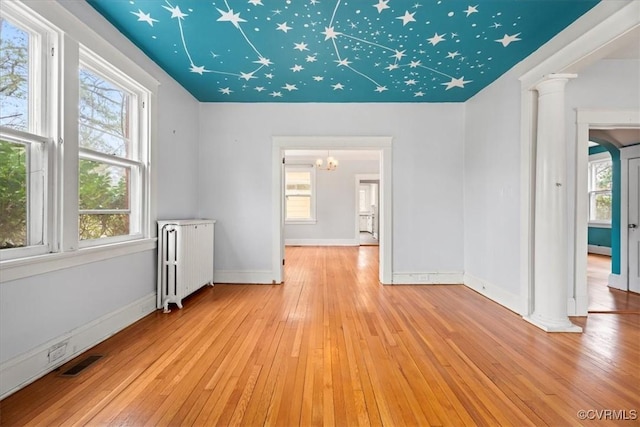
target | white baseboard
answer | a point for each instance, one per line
(600, 250)
(28, 367)
(494, 293)
(431, 278)
(322, 242)
(243, 277)
(618, 281)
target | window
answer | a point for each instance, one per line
(24, 135)
(300, 193)
(111, 166)
(74, 143)
(600, 181)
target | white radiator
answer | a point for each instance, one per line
(185, 259)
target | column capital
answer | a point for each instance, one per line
(553, 82)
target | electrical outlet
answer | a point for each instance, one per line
(57, 351)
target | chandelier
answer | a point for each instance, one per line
(332, 163)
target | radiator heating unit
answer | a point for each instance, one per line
(185, 259)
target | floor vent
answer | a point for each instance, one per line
(81, 366)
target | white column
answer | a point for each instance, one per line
(551, 240)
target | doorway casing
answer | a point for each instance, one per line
(379, 143)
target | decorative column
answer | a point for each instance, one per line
(551, 240)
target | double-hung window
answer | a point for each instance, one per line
(75, 136)
(600, 195)
(300, 194)
(111, 166)
(25, 133)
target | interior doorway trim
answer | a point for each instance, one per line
(381, 143)
(608, 26)
(359, 178)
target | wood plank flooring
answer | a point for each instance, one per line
(602, 298)
(333, 347)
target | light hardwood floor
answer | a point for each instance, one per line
(602, 298)
(333, 347)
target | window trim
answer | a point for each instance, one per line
(65, 30)
(304, 167)
(596, 158)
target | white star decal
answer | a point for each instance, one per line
(195, 69)
(414, 64)
(284, 27)
(496, 25)
(229, 16)
(471, 9)
(329, 33)
(300, 46)
(506, 40)
(225, 90)
(456, 83)
(247, 76)
(256, 2)
(408, 17)
(343, 62)
(452, 55)
(144, 17)
(398, 55)
(381, 89)
(296, 68)
(269, 75)
(382, 5)
(410, 82)
(175, 12)
(314, 2)
(318, 78)
(260, 88)
(337, 86)
(263, 61)
(437, 38)
(420, 93)
(276, 94)
(391, 67)
(289, 87)
(311, 58)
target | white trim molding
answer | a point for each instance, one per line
(618, 281)
(599, 250)
(495, 293)
(245, 277)
(28, 367)
(429, 278)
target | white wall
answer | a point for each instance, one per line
(235, 175)
(336, 202)
(492, 187)
(38, 310)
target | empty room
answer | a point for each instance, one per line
(319, 212)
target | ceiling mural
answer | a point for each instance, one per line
(338, 50)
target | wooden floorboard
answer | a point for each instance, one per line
(331, 346)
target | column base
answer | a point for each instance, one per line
(553, 326)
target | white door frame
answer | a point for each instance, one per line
(613, 25)
(598, 119)
(379, 143)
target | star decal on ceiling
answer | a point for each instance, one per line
(358, 48)
(144, 17)
(507, 40)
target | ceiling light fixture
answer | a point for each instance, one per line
(332, 163)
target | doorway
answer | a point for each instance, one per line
(382, 144)
(367, 209)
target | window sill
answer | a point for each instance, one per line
(600, 225)
(301, 222)
(25, 267)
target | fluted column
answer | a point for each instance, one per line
(551, 240)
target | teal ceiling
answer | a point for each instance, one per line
(338, 50)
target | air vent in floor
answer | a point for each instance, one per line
(81, 366)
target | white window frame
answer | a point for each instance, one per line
(137, 163)
(301, 168)
(37, 138)
(60, 119)
(596, 159)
